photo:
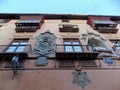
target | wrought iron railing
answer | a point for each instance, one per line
(68, 28)
(107, 29)
(75, 52)
(23, 51)
(27, 48)
(74, 48)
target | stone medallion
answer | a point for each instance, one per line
(81, 79)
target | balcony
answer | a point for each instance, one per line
(97, 23)
(80, 52)
(107, 30)
(22, 51)
(29, 24)
(90, 19)
(26, 29)
(68, 28)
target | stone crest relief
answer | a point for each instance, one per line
(45, 44)
(44, 47)
(81, 79)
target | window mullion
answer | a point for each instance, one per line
(72, 46)
(17, 47)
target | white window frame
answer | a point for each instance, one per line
(17, 46)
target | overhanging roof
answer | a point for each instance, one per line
(55, 16)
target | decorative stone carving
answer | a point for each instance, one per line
(81, 79)
(96, 41)
(41, 61)
(109, 61)
(44, 46)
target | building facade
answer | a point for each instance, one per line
(59, 54)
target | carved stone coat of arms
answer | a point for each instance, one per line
(81, 79)
(45, 44)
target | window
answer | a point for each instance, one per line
(72, 45)
(65, 20)
(90, 63)
(65, 63)
(17, 45)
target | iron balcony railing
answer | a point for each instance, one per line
(74, 48)
(75, 52)
(9, 51)
(107, 29)
(26, 29)
(68, 28)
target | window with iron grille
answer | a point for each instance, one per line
(65, 20)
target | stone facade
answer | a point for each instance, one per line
(51, 76)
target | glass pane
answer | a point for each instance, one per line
(20, 49)
(75, 43)
(15, 43)
(118, 48)
(116, 44)
(77, 48)
(11, 49)
(68, 49)
(99, 48)
(23, 43)
(68, 43)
